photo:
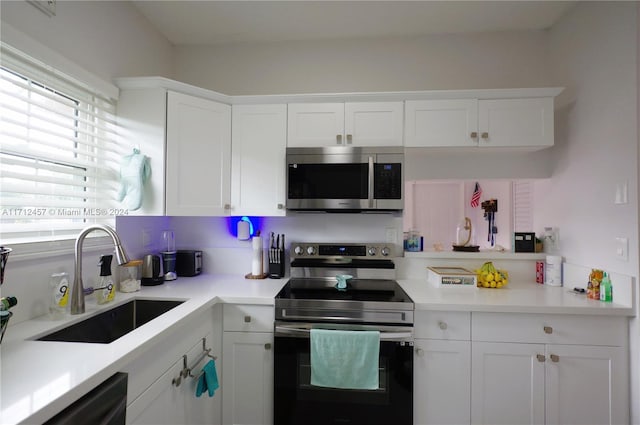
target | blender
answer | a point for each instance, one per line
(169, 255)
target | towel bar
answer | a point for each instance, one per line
(186, 370)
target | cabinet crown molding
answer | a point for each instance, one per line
(169, 84)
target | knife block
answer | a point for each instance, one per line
(276, 263)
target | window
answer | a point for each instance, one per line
(59, 153)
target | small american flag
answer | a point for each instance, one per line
(475, 198)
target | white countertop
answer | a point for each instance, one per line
(41, 377)
(517, 297)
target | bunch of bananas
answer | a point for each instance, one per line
(490, 277)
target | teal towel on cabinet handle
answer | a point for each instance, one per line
(208, 380)
(345, 359)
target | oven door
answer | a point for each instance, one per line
(330, 181)
(296, 401)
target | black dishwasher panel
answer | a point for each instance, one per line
(104, 405)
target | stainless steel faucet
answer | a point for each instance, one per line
(77, 290)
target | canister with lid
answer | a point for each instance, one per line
(129, 275)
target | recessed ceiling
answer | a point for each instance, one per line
(224, 22)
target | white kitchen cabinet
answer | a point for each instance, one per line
(198, 156)
(442, 368)
(142, 115)
(258, 149)
(499, 123)
(153, 397)
(248, 368)
(507, 383)
(345, 124)
(551, 369)
(164, 402)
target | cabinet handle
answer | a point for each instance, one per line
(474, 134)
(541, 358)
(555, 358)
(280, 206)
(339, 139)
(485, 135)
(247, 319)
(419, 352)
(227, 206)
(267, 346)
(442, 325)
(548, 329)
(349, 139)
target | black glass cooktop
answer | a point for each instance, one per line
(377, 290)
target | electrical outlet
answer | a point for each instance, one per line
(146, 238)
(392, 235)
(622, 249)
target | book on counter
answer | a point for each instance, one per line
(452, 276)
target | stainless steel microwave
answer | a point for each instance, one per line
(345, 178)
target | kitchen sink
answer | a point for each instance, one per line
(112, 324)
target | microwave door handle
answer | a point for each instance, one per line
(370, 182)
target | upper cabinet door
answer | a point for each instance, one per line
(198, 156)
(258, 160)
(516, 122)
(441, 123)
(315, 124)
(373, 123)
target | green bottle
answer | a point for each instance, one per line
(606, 291)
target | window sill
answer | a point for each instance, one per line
(38, 250)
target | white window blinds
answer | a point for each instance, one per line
(59, 153)
(522, 206)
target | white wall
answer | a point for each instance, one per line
(492, 60)
(107, 38)
(95, 39)
(593, 53)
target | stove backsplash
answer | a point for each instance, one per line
(224, 253)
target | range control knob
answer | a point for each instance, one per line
(372, 250)
(311, 250)
(385, 251)
(298, 250)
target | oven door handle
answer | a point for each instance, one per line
(384, 336)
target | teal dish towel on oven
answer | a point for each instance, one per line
(208, 380)
(345, 359)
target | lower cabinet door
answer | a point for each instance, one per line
(164, 403)
(586, 385)
(247, 378)
(161, 403)
(442, 383)
(507, 383)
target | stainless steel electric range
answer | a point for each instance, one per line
(371, 300)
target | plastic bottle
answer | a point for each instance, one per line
(7, 302)
(107, 289)
(59, 284)
(606, 291)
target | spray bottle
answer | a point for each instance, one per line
(106, 290)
